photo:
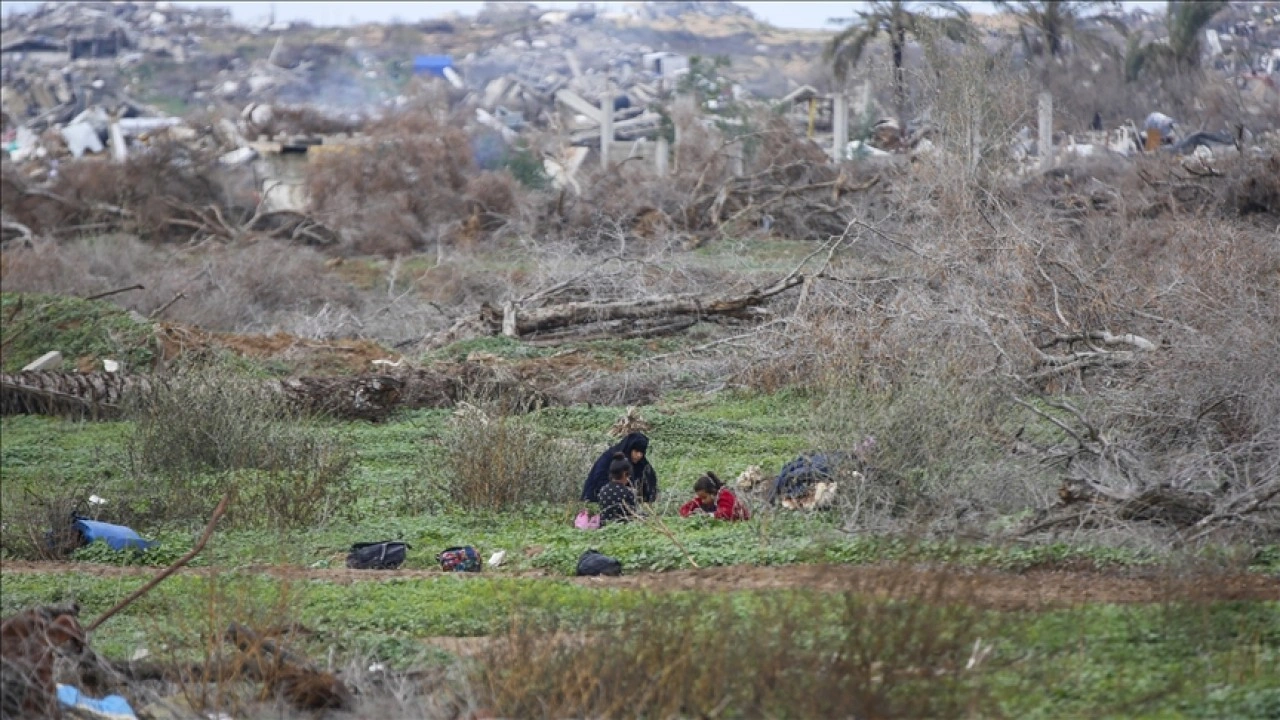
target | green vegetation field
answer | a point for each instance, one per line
(1192, 655)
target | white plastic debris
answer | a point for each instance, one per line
(110, 365)
(95, 500)
(857, 148)
(377, 667)
(495, 560)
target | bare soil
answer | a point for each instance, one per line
(1036, 589)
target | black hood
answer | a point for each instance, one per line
(634, 441)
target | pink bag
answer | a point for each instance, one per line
(586, 521)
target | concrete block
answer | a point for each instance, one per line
(51, 360)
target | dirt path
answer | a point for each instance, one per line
(999, 590)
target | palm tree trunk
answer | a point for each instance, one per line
(101, 395)
(898, 42)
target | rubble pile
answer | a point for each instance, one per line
(63, 58)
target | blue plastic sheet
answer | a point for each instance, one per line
(117, 537)
(111, 707)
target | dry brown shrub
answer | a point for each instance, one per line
(913, 658)
(257, 287)
(305, 120)
(140, 197)
(412, 186)
(1256, 189)
(491, 197)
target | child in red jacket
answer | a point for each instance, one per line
(713, 498)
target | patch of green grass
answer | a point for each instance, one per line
(35, 324)
(543, 538)
(33, 447)
(1177, 660)
(1173, 660)
(402, 492)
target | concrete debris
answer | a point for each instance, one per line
(238, 157)
(51, 360)
(602, 81)
(81, 138)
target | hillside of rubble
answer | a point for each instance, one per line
(137, 58)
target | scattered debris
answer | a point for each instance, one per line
(751, 479)
(289, 675)
(30, 641)
(51, 360)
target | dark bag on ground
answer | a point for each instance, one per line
(595, 563)
(463, 558)
(385, 555)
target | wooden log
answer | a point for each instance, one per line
(557, 317)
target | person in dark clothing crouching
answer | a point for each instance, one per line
(644, 480)
(617, 499)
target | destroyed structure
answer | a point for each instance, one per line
(74, 73)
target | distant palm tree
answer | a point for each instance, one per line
(895, 20)
(1186, 23)
(1049, 27)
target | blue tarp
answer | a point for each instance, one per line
(111, 707)
(432, 64)
(117, 537)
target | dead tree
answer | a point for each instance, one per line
(618, 319)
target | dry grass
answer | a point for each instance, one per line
(220, 433)
(878, 659)
(413, 187)
(497, 462)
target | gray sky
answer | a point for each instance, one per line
(809, 15)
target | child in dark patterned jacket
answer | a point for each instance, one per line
(617, 499)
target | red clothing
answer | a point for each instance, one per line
(726, 507)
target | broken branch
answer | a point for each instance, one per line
(204, 538)
(109, 293)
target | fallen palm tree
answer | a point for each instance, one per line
(103, 395)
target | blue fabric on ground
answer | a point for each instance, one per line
(117, 537)
(112, 707)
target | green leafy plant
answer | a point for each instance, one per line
(525, 166)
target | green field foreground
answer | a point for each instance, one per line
(938, 627)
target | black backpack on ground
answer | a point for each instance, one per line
(595, 563)
(385, 555)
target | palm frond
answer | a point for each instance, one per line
(845, 50)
